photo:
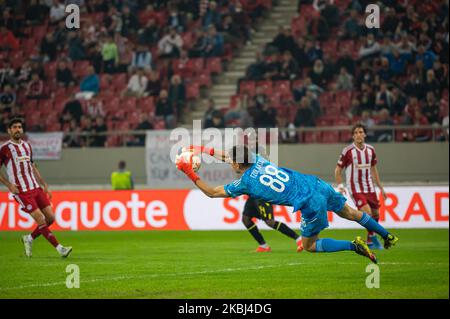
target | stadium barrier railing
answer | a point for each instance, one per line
(397, 133)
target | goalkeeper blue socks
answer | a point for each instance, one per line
(371, 225)
(328, 245)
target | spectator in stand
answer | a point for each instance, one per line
(427, 56)
(91, 82)
(61, 34)
(432, 84)
(48, 48)
(313, 51)
(353, 27)
(72, 135)
(260, 97)
(390, 22)
(99, 128)
(217, 120)
(137, 84)
(328, 11)
(75, 47)
(287, 132)
(284, 41)
(149, 34)
(384, 120)
(369, 123)
(367, 100)
(319, 28)
(176, 19)
(414, 87)
(304, 116)
(387, 46)
(212, 16)
(110, 55)
(64, 76)
(153, 84)
(141, 58)
(230, 31)
(7, 74)
(318, 74)
(242, 21)
(200, 44)
(288, 67)
(314, 103)
(344, 80)
(144, 125)
(94, 108)
(10, 22)
(130, 23)
(57, 12)
(7, 100)
(177, 95)
(431, 109)
(8, 41)
(385, 72)
(35, 13)
(384, 98)
(410, 110)
(405, 46)
(35, 88)
(74, 108)
(170, 45)
(370, 49)
(165, 109)
(265, 116)
(421, 135)
(214, 43)
(398, 62)
(398, 102)
(301, 90)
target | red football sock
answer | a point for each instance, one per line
(36, 232)
(48, 235)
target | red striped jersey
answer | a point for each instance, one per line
(357, 164)
(18, 160)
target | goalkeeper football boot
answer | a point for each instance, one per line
(390, 241)
(362, 249)
(374, 243)
(261, 249)
(27, 244)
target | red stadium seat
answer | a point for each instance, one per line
(214, 65)
(311, 137)
(247, 87)
(147, 104)
(204, 79)
(282, 87)
(345, 136)
(192, 90)
(266, 85)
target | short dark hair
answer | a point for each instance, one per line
(15, 120)
(122, 164)
(359, 125)
(241, 155)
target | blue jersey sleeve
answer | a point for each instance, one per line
(235, 188)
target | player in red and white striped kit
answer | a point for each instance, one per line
(359, 161)
(27, 186)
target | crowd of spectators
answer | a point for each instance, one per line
(133, 42)
(393, 75)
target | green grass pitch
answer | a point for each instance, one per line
(220, 264)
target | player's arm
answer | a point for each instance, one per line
(213, 192)
(376, 177)
(11, 187)
(220, 155)
(40, 180)
(338, 179)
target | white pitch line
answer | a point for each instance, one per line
(203, 272)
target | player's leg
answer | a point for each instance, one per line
(371, 235)
(369, 223)
(49, 220)
(251, 211)
(266, 212)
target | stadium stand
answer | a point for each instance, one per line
(342, 71)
